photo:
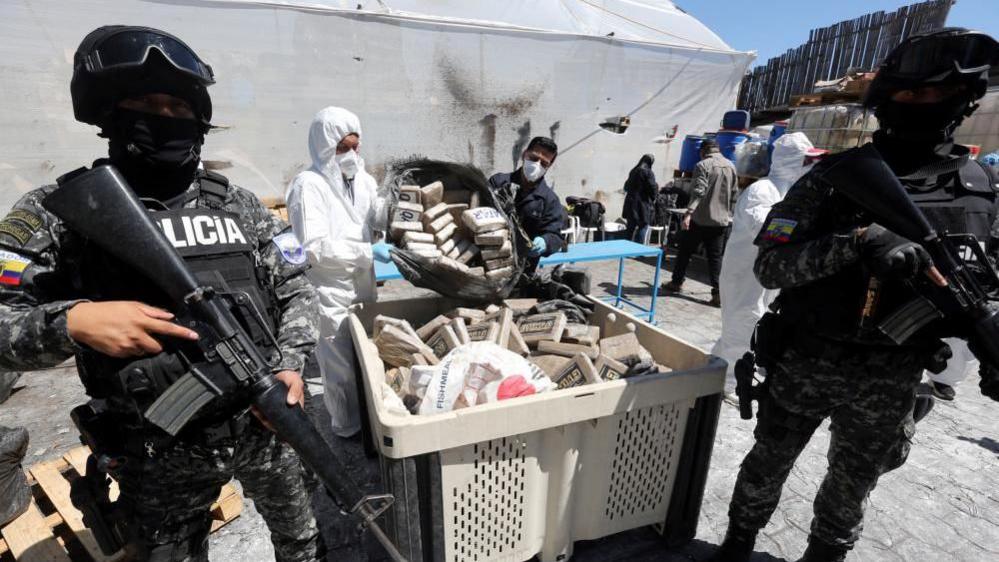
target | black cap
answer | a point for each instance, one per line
(115, 62)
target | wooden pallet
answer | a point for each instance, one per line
(825, 98)
(52, 530)
(276, 206)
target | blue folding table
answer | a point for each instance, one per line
(589, 251)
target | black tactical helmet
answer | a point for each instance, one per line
(952, 55)
(115, 62)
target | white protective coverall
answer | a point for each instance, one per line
(743, 299)
(959, 366)
(336, 231)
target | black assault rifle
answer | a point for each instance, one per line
(99, 205)
(864, 178)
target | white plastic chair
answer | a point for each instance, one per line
(660, 232)
(571, 233)
(588, 231)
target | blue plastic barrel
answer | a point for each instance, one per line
(737, 120)
(690, 154)
(780, 127)
(728, 140)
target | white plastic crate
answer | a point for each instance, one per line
(529, 476)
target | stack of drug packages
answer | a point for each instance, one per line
(570, 354)
(451, 227)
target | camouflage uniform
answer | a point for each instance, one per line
(167, 485)
(835, 364)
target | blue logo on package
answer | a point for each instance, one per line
(291, 249)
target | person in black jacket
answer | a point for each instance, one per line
(538, 208)
(640, 199)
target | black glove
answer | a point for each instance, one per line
(989, 384)
(890, 255)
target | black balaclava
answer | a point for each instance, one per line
(158, 155)
(912, 135)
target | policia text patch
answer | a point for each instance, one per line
(202, 231)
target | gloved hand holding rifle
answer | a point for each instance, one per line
(233, 367)
(903, 243)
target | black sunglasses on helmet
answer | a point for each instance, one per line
(131, 48)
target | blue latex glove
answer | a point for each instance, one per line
(538, 246)
(380, 251)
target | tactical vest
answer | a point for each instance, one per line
(220, 252)
(846, 306)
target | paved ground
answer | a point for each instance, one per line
(942, 505)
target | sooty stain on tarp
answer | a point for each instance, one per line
(553, 131)
(487, 140)
(469, 96)
(523, 137)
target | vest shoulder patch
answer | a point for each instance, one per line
(290, 248)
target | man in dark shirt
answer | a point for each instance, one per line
(536, 205)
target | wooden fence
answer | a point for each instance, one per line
(830, 52)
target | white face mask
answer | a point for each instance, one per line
(533, 171)
(349, 163)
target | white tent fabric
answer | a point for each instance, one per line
(462, 80)
(652, 21)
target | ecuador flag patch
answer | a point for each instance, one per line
(779, 230)
(12, 268)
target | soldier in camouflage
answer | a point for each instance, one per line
(841, 276)
(62, 297)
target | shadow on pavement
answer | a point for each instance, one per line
(986, 443)
(644, 290)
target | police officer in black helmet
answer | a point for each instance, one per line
(826, 351)
(147, 91)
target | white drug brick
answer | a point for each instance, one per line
(498, 264)
(432, 194)
(439, 224)
(447, 246)
(495, 238)
(481, 219)
(417, 238)
(445, 233)
(398, 229)
(499, 273)
(410, 194)
(432, 213)
(493, 252)
(407, 212)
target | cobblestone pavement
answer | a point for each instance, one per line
(942, 505)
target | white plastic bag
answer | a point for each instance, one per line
(477, 373)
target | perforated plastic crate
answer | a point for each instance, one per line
(525, 477)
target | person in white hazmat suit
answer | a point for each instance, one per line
(961, 364)
(743, 299)
(334, 209)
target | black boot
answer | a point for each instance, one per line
(819, 551)
(715, 298)
(737, 546)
